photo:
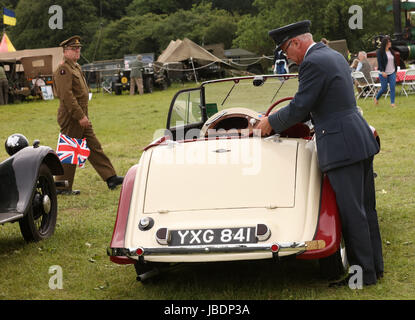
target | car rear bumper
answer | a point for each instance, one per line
(275, 248)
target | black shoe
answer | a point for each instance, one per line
(379, 275)
(114, 181)
(68, 192)
(340, 283)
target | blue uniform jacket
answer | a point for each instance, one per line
(326, 93)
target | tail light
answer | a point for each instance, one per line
(275, 247)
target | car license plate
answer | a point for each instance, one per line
(212, 236)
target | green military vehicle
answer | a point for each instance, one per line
(114, 75)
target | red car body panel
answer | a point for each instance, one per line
(118, 234)
(329, 225)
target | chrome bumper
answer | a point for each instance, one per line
(274, 248)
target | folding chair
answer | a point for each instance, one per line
(409, 80)
(374, 75)
(362, 83)
(107, 85)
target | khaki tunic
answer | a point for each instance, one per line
(72, 90)
(4, 87)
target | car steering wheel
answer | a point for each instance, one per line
(275, 104)
(299, 130)
(235, 122)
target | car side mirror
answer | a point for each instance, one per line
(258, 81)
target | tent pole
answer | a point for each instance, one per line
(194, 71)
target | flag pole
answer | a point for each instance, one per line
(4, 26)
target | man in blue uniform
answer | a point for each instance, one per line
(345, 143)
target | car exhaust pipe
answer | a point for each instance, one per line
(149, 274)
(62, 184)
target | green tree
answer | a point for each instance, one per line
(330, 19)
(32, 29)
(202, 24)
(111, 10)
(9, 4)
(153, 32)
(137, 35)
(111, 29)
(170, 6)
(234, 6)
(375, 21)
(141, 7)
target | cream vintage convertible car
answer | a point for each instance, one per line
(212, 189)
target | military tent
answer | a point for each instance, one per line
(181, 50)
(186, 50)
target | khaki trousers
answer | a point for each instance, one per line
(4, 91)
(97, 157)
(139, 83)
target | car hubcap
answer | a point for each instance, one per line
(42, 205)
(46, 203)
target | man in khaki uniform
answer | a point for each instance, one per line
(73, 93)
(4, 87)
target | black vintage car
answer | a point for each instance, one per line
(154, 74)
(27, 187)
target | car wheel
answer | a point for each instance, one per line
(118, 90)
(40, 219)
(336, 265)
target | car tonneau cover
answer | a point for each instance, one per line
(198, 175)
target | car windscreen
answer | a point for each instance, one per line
(253, 93)
(186, 108)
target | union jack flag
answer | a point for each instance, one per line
(72, 150)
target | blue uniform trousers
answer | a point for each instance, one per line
(355, 194)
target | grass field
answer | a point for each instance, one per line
(124, 126)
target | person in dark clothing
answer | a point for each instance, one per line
(387, 67)
(280, 62)
(345, 143)
(136, 76)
